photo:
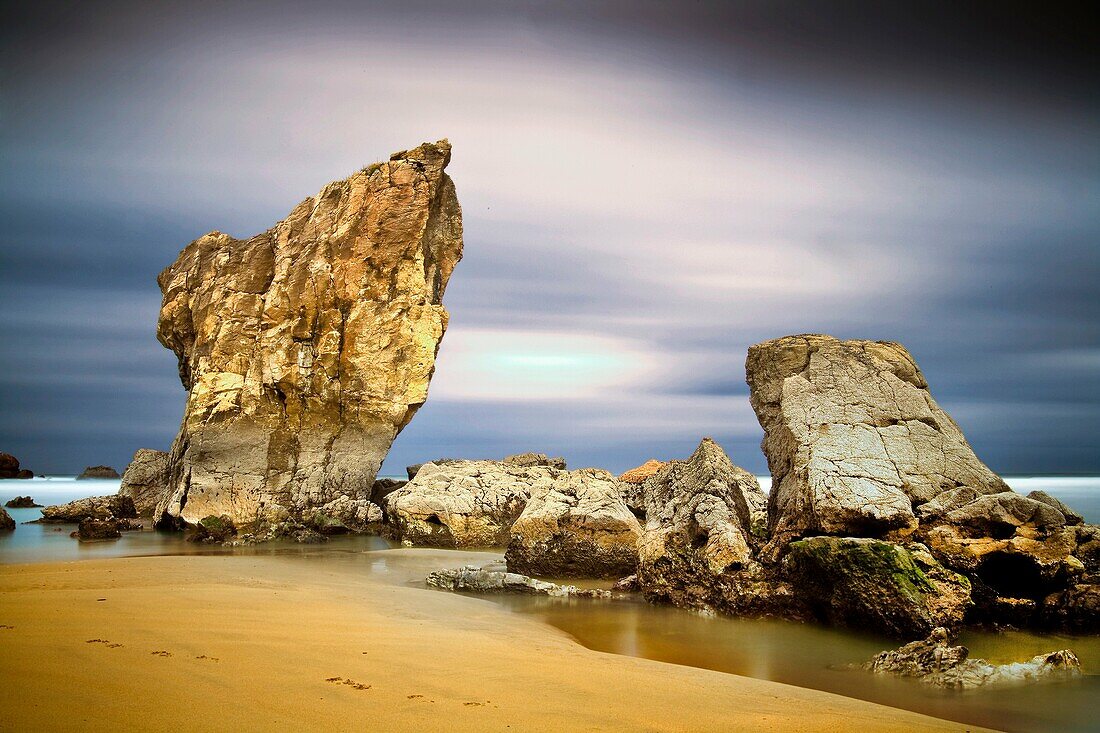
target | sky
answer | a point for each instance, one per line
(647, 188)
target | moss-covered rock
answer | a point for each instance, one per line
(213, 529)
(876, 585)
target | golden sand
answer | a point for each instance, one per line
(265, 643)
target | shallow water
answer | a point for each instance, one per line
(797, 654)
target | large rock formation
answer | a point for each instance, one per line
(7, 524)
(853, 438)
(934, 661)
(145, 480)
(306, 349)
(704, 517)
(577, 526)
(21, 502)
(465, 503)
(870, 584)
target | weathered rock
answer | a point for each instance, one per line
(145, 480)
(464, 503)
(641, 473)
(7, 524)
(213, 530)
(93, 507)
(697, 543)
(1077, 608)
(494, 578)
(21, 502)
(382, 488)
(98, 472)
(9, 467)
(629, 584)
(870, 584)
(936, 662)
(91, 529)
(853, 438)
(1071, 517)
(576, 526)
(345, 514)
(307, 348)
(535, 459)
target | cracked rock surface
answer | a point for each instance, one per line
(145, 480)
(576, 526)
(304, 350)
(853, 438)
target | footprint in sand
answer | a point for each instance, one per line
(5, 626)
(161, 653)
(209, 659)
(350, 683)
(105, 642)
(472, 704)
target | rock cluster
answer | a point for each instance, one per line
(495, 578)
(9, 467)
(145, 480)
(936, 662)
(98, 472)
(304, 350)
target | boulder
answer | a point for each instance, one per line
(146, 480)
(698, 540)
(853, 438)
(936, 662)
(21, 502)
(91, 529)
(494, 578)
(112, 506)
(464, 503)
(213, 530)
(98, 472)
(878, 586)
(9, 468)
(575, 526)
(1072, 518)
(7, 524)
(305, 349)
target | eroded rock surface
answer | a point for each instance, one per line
(703, 516)
(306, 349)
(465, 503)
(7, 524)
(870, 584)
(576, 526)
(495, 578)
(93, 507)
(145, 480)
(936, 662)
(853, 438)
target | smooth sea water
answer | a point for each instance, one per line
(804, 655)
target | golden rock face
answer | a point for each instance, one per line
(307, 348)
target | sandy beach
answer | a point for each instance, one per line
(263, 643)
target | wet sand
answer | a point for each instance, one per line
(259, 643)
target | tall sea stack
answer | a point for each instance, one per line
(306, 349)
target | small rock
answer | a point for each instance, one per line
(97, 529)
(495, 578)
(935, 662)
(21, 502)
(98, 472)
(7, 524)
